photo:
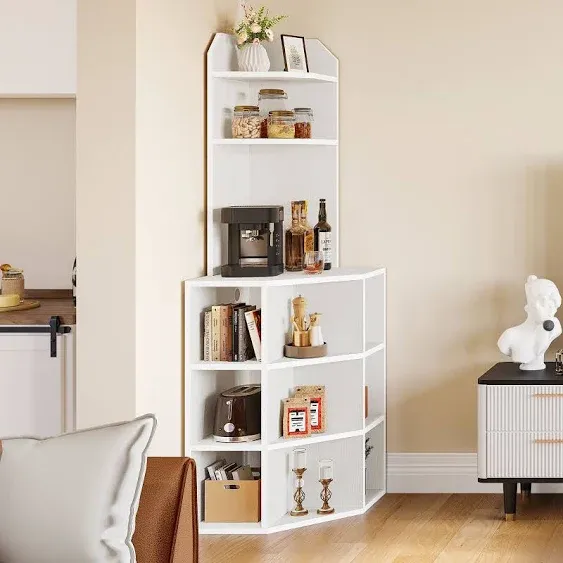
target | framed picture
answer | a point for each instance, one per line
(294, 53)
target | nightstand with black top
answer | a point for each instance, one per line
(520, 429)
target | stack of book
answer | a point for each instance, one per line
(231, 333)
(223, 471)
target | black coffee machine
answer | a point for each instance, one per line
(255, 241)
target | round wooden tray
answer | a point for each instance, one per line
(26, 305)
(304, 352)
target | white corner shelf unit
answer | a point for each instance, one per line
(352, 301)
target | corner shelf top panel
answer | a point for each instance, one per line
(289, 278)
(274, 76)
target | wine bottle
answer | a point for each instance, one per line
(323, 236)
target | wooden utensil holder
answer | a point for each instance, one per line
(304, 352)
(301, 338)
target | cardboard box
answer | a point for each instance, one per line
(232, 501)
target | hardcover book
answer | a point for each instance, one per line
(244, 343)
(236, 328)
(253, 322)
(210, 469)
(226, 338)
(207, 334)
(215, 333)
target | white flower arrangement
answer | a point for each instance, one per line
(256, 26)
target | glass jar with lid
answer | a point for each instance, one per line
(270, 99)
(281, 125)
(246, 122)
(303, 123)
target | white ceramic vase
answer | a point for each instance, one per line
(253, 58)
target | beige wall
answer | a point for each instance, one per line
(37, 175)
(452, 177)
(169, 200)
(105, 211)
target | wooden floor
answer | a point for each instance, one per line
(412, 529)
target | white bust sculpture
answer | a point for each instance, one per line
(528, 342)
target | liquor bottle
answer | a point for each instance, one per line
(323, 236)
(295, 240)
(309, 243)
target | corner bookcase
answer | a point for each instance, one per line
(352, 302)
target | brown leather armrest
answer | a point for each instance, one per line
(166, 529)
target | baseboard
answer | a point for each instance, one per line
(443, 473)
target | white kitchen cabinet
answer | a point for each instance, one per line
(36, 390)
(38, 46)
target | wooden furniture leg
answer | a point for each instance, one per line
(509, 490)
(526, 489)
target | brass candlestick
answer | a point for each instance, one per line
(299, 495)
(325, 497)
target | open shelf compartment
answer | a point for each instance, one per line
(200, 298)
(343, 394)
(204, 459)
(347, 486)
(205, 388)
(375, 466)
(341, 307)
(375, 382)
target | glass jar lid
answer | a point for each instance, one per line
(272, 93)
(303, 110)
(282, 113)
(246, 108)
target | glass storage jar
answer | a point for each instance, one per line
(13, 283)
(246, 122)
(281, 125)
(270, 99)
(303, 123)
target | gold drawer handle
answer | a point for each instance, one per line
(540, 395)
(548, 441)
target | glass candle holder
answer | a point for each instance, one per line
(326, 469)
(313, 262)
(299, 458)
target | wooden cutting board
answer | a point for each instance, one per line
(25, 306)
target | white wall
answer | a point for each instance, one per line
(37, 198)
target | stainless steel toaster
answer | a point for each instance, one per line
(237, 414)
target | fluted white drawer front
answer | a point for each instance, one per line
(524, 408)
(524, 454)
